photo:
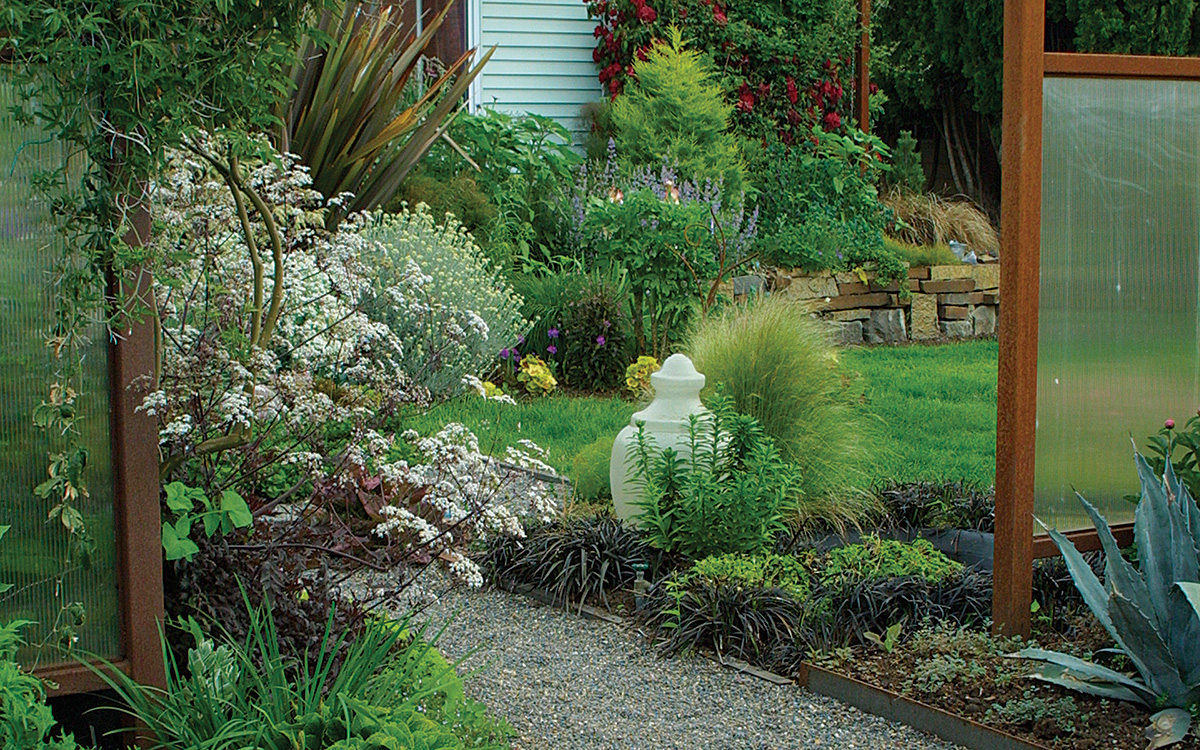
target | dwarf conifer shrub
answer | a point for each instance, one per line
(779, 367)
(676, 112)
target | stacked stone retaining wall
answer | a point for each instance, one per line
(943, 302)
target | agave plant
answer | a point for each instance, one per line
(1152, 611)
(348, 119)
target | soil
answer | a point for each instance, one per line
(1064, 719)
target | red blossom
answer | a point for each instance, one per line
(598, 31)
(833, 121)
(793, 93)
(793, 117)
(641, 53)
(719, 15)
(646, 14)
(597, 54)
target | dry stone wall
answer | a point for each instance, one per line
(943, 302)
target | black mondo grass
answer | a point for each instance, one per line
(574, 561)
(759, 626)
(855, 607)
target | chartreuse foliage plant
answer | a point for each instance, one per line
(778, 366)
(726, 495)
(1151, 610)
(676, 113)
(766, 571)
(874, 559)
(378, 689)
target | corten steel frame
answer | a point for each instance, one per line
(137, 523)
(1026, 64)
(862, 72)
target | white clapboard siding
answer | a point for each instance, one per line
(543, 61)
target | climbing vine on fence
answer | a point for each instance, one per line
(117, 83)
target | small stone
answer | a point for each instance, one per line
(885, 327)
(953, 312)
(849, 314)
(983, 320)
(949, 285)
(744, 285)
(847, 332)
(986, 276)
(956, 329)
(949, 272)
(924, 317)
(812, 287)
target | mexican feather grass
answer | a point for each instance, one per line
(779, 366)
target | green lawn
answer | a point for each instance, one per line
(559, 424)
(935, 407)
(930, 412)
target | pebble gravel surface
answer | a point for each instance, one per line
(566, 682)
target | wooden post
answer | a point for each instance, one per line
(862, 93)
(135, 477)
(1020, 258)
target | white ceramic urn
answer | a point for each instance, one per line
(676, 396)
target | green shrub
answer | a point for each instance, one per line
(590, 470)
(676, 114)
(471, 312)
(907, 173)
(726, 496)
(819, 208)
(665, 266)
(768, 571)
(779, 367)
(458, 195)
(874, 559)
(26, 721)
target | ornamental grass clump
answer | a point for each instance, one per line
(779, 367)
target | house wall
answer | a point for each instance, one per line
(543, 61)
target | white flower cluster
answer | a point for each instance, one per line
(464, 495)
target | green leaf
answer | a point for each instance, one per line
(233, 505)
(174, 547)
(179, 497)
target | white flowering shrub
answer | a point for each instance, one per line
(468, 311)
(455, 494)
(306, 414)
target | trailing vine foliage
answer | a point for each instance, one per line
(117, 83)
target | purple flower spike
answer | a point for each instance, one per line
(599, 341)
(552, 349)
(520, 339)
(552, 333)
(504, 354)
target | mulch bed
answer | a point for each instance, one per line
(988, 681)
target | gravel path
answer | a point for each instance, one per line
(565, 682)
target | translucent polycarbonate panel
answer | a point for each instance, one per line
(32, 554)
(1118, 323)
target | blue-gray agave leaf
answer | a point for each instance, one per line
(1185, 645)
(1087, 677)
(1146, 648)
(1166, 551)
(1094, 593)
